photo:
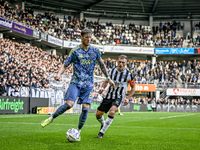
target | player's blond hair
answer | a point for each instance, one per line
(122, 57)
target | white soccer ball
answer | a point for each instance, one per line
(73, 135)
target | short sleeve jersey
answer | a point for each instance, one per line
(83, 65)
(121, 80)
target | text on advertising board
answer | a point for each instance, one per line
(14, 105)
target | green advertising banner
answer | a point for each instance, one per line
(94, 106)
(24, 105)
(14, 105)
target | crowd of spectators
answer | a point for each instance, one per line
(68, 28)
(197, 26)
(165, 34)
(16, 59)
(171, 101)
(193, 42)
(110, 34)
(138, 35)
(153, 101)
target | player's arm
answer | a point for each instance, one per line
(104, 85)
(103, 68)
(67, 62)
(105, 72)
(61, 70)
(132, 84)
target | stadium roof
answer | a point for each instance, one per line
(124, 9)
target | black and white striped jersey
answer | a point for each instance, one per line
(121, 80)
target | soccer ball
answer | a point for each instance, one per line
(73, 135)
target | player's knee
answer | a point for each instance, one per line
(85, 105)
(99, 114)
(85, 110)
(113, 111)
(70, 103)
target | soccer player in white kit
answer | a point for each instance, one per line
(114, 96)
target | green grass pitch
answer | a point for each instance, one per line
(132, 131)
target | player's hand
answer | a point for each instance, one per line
(57, 78)
(126, 101)
(111, 83)
(101, 91)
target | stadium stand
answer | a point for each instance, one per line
(18, 58)
(105, 34)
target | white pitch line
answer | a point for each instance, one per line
(58, 124)
(175, 116)
(113, 126)
(24, 116)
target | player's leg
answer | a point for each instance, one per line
(108, 120)
(85, 98)
(83, 116)
(70, 98)
(58, 112)
(110, 117)
(100, 118)
(69, 104)
(103, 108)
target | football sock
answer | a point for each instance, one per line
(119, 110)
(79, 130)
(108, 122)
(101, 120)
(61, 110)
(83, 117)
(51, 118)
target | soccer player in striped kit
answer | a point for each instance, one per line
(115, 96)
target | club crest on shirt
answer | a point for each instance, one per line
(92, 55)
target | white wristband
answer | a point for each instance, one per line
(107, 79)
(101, 88)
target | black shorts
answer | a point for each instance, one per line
(106, 104)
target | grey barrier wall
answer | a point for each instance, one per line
(147, 107)
(24, 105)
(128, 108)
(178, 108)
(39, 102)
(20, 105)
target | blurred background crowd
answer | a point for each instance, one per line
(30, 66)
(68, 28)
(16, 59)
